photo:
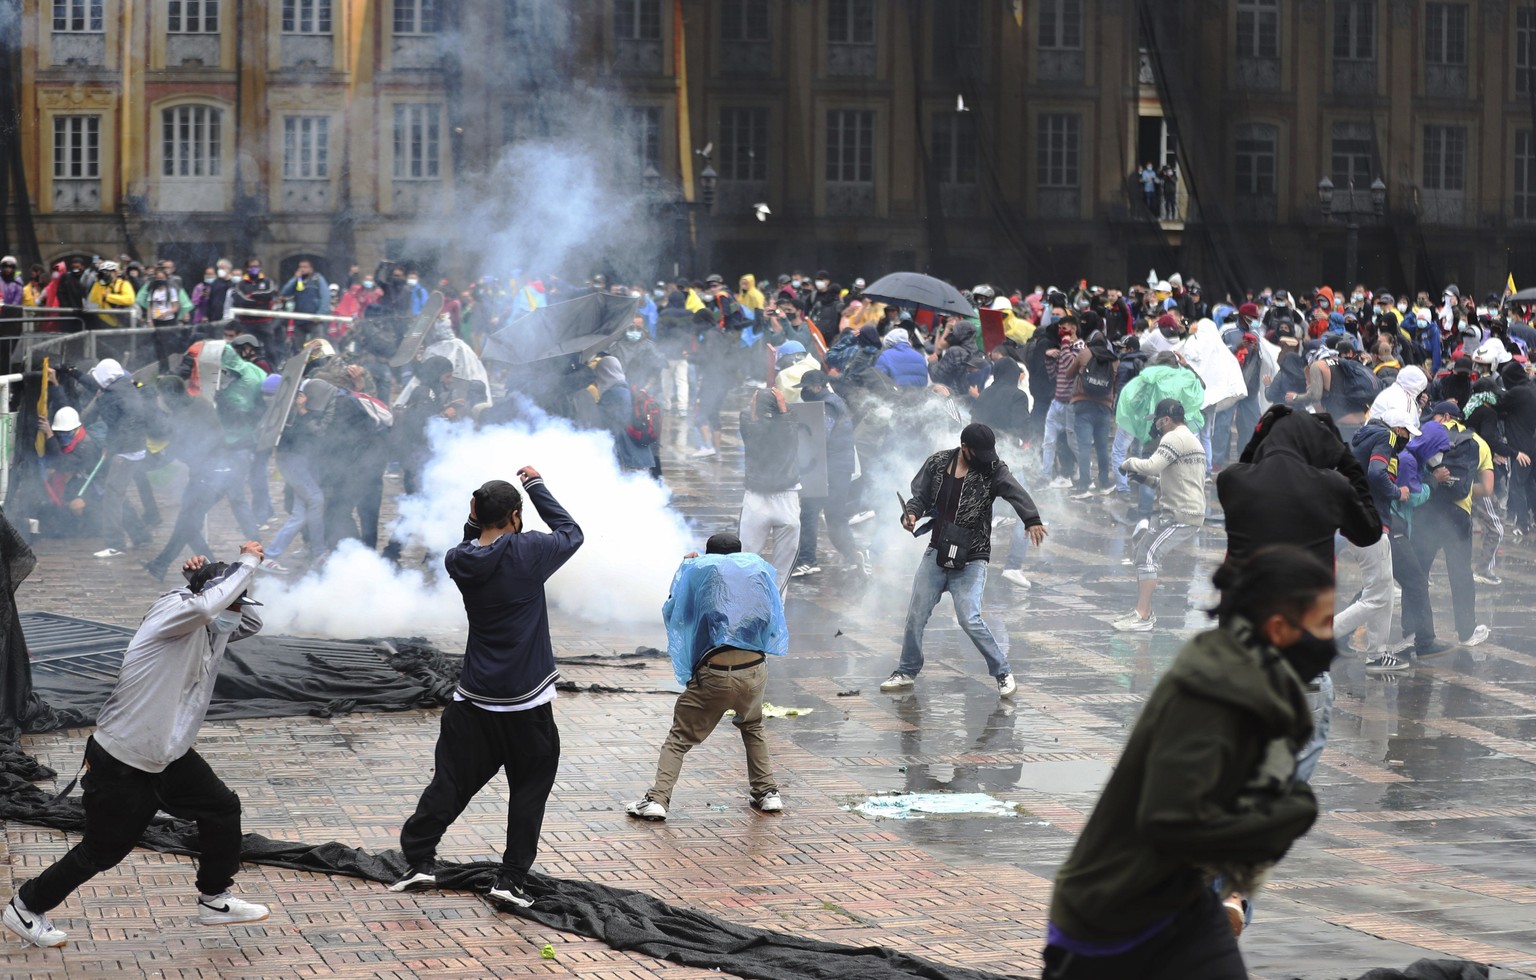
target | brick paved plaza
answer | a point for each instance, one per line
(1426, 844)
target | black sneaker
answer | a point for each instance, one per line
(1433, 648)
(1387, 663)
(508, 893)
(419, 878)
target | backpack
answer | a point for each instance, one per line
(1098, 376)
(376, 410)
(1461, 460)
(1358, 385)
(644, 417)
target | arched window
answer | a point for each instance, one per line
(192, 140)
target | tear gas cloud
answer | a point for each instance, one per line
(634, 539)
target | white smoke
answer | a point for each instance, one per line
(633, 539)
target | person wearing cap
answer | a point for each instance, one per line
(141, 759)
(815, 386)
(1177, 468)
(791, 362)
(724, 617)
(1455, 384)
(956, 489)
(1444, 523)
(1375, 446)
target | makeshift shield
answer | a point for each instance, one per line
(810, 418)
(270, 433)
(583, 326)
(210, 368)
(410, 345)
(992, 332)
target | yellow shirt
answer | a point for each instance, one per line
(1484, 463)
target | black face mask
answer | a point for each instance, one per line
(1310, 655)
(813, 396)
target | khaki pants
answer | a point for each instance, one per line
(699, 709)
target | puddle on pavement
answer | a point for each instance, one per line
(922, 806)
(1064, 776)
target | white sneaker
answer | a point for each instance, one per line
(418, 879)
(769, 802)
(1135, 624)
(861, 517)
(705, 453)
(1006, 686)
(1060, 483)
(1125, 619)
(1016, 576)
(646, 808)
(1479, 635)
(106, 553)
(222, 910)
(897, 682)
(33, 928)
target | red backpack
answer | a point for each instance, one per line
(644, 417)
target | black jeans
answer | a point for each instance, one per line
(472, 746)
(1440, 526)
(119, 803)
(1418, 618)
(1197, 945)
(224, 479)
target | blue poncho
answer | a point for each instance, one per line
(723, 600)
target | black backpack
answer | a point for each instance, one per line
(1098, 376)
(1461, 460)
(1358, 386)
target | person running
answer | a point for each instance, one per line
(957, 487)
(141, 760)
(724, 618)
(1177, 467)
(500, 715)
(1206, 783)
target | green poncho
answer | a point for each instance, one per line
(1133, 412)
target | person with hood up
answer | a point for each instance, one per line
(1444, 523)
(957, 488)
(749, 296)
(1207, 783)
(791, 363)
(1375, 447)
(1405, 394)
(141, 759)
(122, 410)
(770, 504)
(500, 716)
(1004, 407)
(725, 618)
(899, 361)
(643, 363)
(616, 404)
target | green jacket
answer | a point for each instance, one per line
(1204, 786)
(240, 403)
(1133, 409)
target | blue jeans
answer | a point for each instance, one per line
(1322, 720)
(1058, 423)
(1117, 454)
(965, 588)
(308, 505)
(1092, 422)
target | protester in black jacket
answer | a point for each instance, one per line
(501, 715)
(770, 505)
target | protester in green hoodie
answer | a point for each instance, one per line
(1205, 787)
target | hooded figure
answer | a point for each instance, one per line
(1297, 483)
(905, 366)
(1403, 394)
(1003, 405)
(615, 403)
(1217, 366)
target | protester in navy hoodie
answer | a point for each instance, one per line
(500, 715)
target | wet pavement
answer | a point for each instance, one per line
(1426, 845)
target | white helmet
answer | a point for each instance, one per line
(107, 266)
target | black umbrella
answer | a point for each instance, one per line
(1523, 296)
(923, 292)
(584, 326)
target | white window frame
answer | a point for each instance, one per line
(1444, 169)
(641, 125)
(743, 143)
(747, 15)
(850, 152)
(1354, 30)
(1351, 155)
(182, 15)
(307, 17)
(418, 141)
(76, 147)
(421, 17)
(1061, 25)
(1440, 46)
(1258, 22)
(1059, 159)
(1525, 175)
(79, 17)
(306, 147)
(1257, 144)
(858, 22)
(954, 132)
(1525, 49)
(192, 142)
(637, 20)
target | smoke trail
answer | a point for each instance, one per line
(634, 539)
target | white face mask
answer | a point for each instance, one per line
(226, 622)
(1402, 306)
(632, 334)
(795, 283)
(223, 273)
(411, 281)
(821, 284)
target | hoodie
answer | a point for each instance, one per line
(1301, 487)
(905, 366)
(1002, 405)
(1205, 783)
(508, 659)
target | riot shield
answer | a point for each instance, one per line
(270, 433)
(210, 368)
(810, 419)
(410, 344)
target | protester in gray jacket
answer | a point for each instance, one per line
(141, 759)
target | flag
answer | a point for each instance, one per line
(1509, 287)
(41, 441)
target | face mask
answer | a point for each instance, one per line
(1402, 306)
(821, 284)
(254, 270)
(1358, 297)
(208, 279)
(367, 283)
(411, 281)
(795, 283)
(813, 396)
(223, 273)
(1310, 655)
(632, 334)
(226, 622)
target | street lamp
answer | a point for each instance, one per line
(707, 180)
(1353, 212)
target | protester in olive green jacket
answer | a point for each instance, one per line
(1204, 788)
